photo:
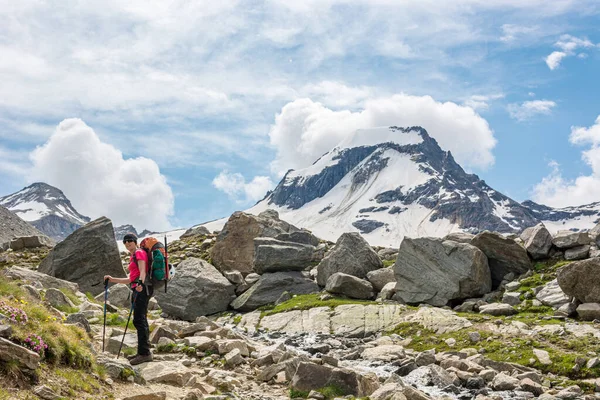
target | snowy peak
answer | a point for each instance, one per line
(388, 183)
(40, 200)
(121, 231)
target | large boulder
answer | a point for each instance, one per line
(567, 239)
(552, 295)
(349, 286)
(30, 242)
(381, 277)
(23, 357)
(85, 256)
(302, 236)
(538, 241)
(504, 255)
(351, 255)
(581, 280)
(311, 376)
(47, 281)
(234, 248)
(270, 286)
(196, 231)
(197, 289)
(11, 226)
(436, 271)
(272, 255)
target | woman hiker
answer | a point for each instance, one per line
(140, 297)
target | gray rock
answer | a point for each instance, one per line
(505, 382)
(351, 255)
(577, 253)
(234, 277)
(497, 309)
(197, 231)
(460, 237)
(11, 352)
(528, 385)
(381, 277)
(285, 296)
(30, 242)
(57, 299)
(44, 392)
(568, 239)
(234, 247)
(33, 292)
(538, 241)
(196, 289)
(311, 376)
(566, 310)
(270, 286)
(302, 237)
(6, 331)
(349, 286)
(119, 295)
(233, 358)
(162, 332)
(388, 291)
(552, 295)
(588, 311)
(85, 256)
(435, 271)
(581, 280)
(79, 318)
(47, 281)
(542, 356)
(252, 278)
(504, 255)
(12, 226)
(271, 255)
(511, 298)
(388, 254)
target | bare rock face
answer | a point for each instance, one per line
(567, 239)
(272, 255)
(581, 280)
(85, 256)
(504, 255)
(349, 286)
(538, 241)
(351, 255)
(11, 226)
(234, 248)
(436, 271)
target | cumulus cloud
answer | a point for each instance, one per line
(481, 102)
(554, 190)
(568, 45)
(99, 181)
(304, 130)
(530, 109)
(235, 185)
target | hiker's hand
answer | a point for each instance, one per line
(110, 278)
(139, 288)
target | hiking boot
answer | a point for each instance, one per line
(141, 359)
(131, 356)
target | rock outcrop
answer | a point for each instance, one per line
(581, 280)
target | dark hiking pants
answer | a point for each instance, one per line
(140, 321)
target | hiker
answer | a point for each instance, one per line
(140, 297)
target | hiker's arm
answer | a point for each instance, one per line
(116, 280)
(142, 267)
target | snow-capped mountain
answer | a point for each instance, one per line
(388, 183)
(121, 231)
(46, 208)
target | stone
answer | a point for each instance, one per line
(302, 236)
(438, 320)
(79, 318)
(47, 281)
(12, 352)
(589, 311)
(197, 289)
(504, 382)
(351, 255)
(387, 254)
(435, 271)
(386, 353)
(44, 392)
(527, 385)
(196, 231)
(460, 237)
(234, 277)
(349, 286)
(552, 295)
(311, 376)
(497, 309)
(542, 356)
(85, 256)
(6, 331)
(162, 332)
(474, 337)
(504, 255)
(226, 346)
(511, 298)
(388, 291)
(381, 277)
(252, 278)
(119, 295)
(233, 358)
(270, 286)
(57, 299)
(581, 280)
(271, 255)
(537, 241)
(148, 396)
(425, 358)
(568, 239)
(577, 253)
(234, 247)
(169, 372)
(114, 343)
(593, 362)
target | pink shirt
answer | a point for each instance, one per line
(134, 270)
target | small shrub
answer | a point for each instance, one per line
(15, 315)
(388, 263)
(36, 343)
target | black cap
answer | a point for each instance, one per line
(129, 237)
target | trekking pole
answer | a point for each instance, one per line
(105, 300)
(128, 318)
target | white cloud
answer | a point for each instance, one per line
(512, 32)
(556, 191)
(568, 44)
(530, 109)
(305, 130)
(554, 59)
(481, 102)
(235, 185)
(99, 181)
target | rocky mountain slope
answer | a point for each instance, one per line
(11, 226)
(387, 183)
(46, 208)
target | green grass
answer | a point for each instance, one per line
(78, 381)
(166, 348)
(237, 319)
(114, 319)
(11, 288)
(296, 394)
(332, 391)
(71, 296)
(388, 263)
(67, 309)
(308, 301)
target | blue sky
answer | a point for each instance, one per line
(192, 110)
